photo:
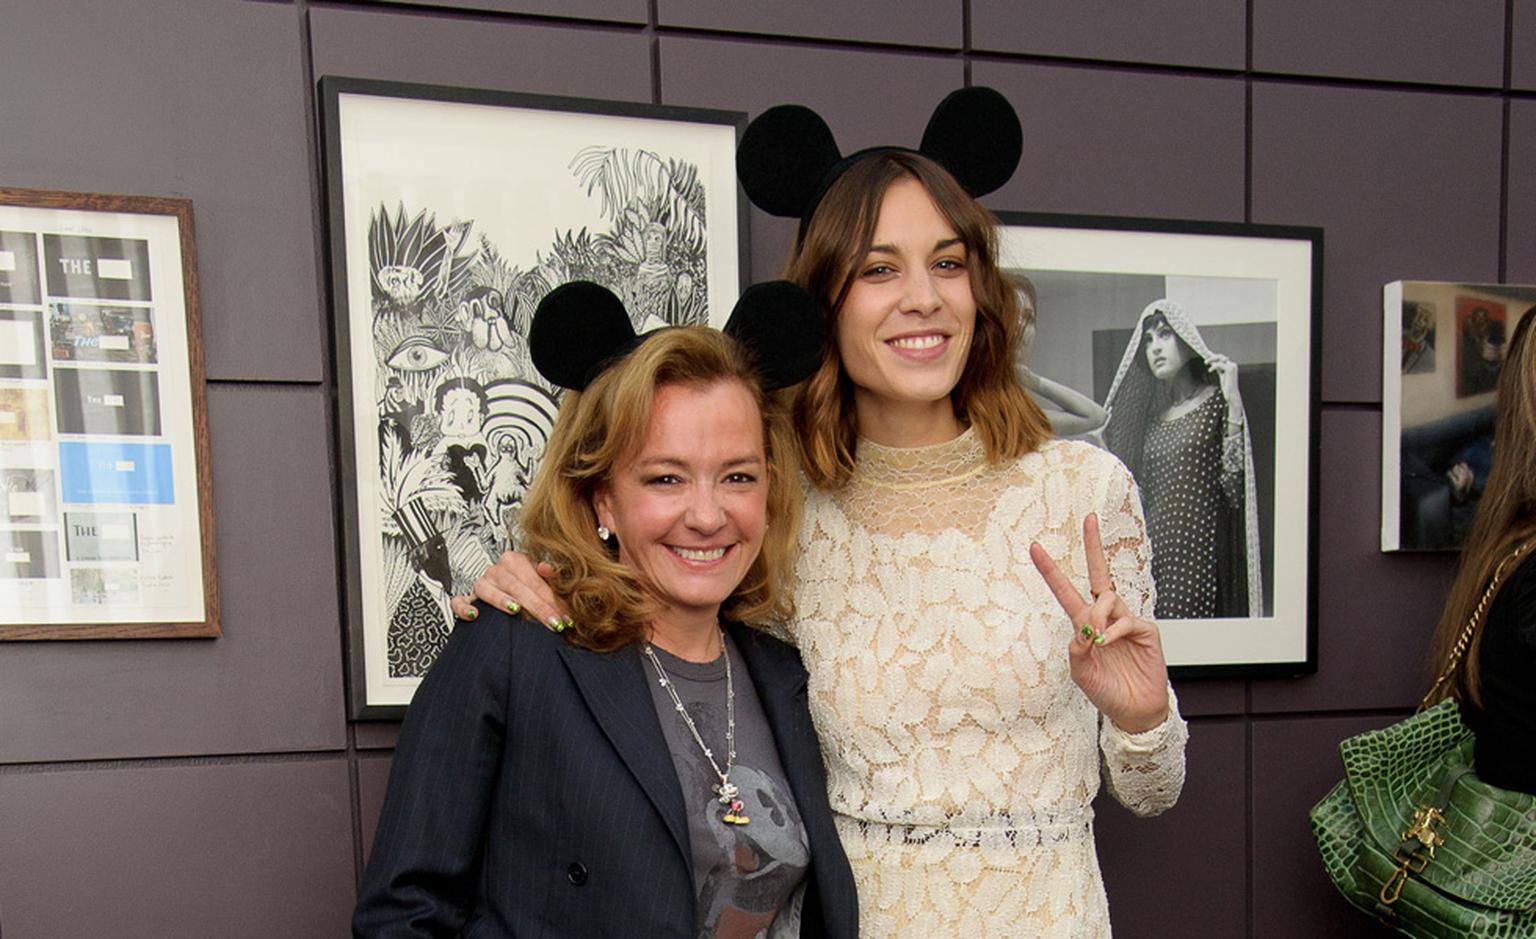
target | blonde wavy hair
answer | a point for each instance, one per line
(600, 428)
(988, 396)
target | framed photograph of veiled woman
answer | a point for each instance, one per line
(1189, 350)
(452, 212)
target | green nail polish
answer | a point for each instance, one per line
(471, 614)
(1086, 630)
(513, 607)
(1098, 640)
(557, 625)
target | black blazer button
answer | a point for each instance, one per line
(576, 874)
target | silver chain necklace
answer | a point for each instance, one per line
(726, 791)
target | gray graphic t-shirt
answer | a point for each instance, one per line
(745, 874)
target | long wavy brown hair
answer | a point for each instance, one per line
(601, 427)
(1506, 512)
(988, 396)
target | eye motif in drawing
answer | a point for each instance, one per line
(416, 354)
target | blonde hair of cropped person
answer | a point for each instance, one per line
(988, 396)
(1506, 512)
(599, 428)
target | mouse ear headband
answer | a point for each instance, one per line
(787, 159)
(581, 328)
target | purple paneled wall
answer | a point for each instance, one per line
(1115, 142)
(1197, 33)
(1403, 41)
(869, 97)
(216, 787)
(1405, 184)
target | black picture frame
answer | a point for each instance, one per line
(1253, 294)
(450, 212)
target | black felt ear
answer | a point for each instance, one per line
(783, 157)
(784, 329)
(577, 329)
(975, 134)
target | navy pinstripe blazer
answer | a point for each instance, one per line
(532, 794)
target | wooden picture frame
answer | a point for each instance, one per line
(106, 531)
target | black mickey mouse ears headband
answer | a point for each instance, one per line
(581, 328)
(788, 159)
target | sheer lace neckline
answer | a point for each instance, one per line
(933, 465)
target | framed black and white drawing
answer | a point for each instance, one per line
(452, 212)
(1189, 350)
(1443, 348)
(107, 524)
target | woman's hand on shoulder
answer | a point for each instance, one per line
(1116, 657)
(514, 583)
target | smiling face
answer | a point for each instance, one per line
(461, 413)
(1166, 352)
(689, 508)
(904, 329)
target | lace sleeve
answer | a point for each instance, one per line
(1123, 531)
(1144, 771)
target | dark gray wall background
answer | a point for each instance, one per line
(216, 788)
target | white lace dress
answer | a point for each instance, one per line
(961, 758)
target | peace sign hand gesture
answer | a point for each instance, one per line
(1117, 658)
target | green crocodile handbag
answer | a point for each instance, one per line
(1412, 836)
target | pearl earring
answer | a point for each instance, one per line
(603, 534)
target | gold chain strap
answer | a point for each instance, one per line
(1465, 639)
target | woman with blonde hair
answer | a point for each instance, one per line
(652, 770)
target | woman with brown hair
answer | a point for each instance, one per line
(964, 720)
(652, 771)
(1493, 678)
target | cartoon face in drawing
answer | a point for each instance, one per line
(654, 243)
(461, 412)
(414, 261)
(402, 284)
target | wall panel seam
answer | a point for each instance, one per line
(275, 757)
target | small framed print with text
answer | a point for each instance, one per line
(106, 527)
